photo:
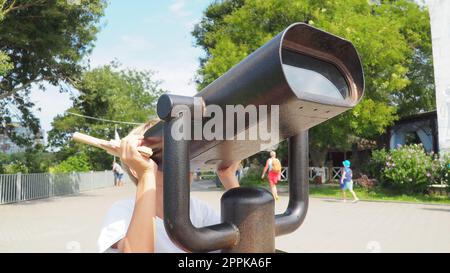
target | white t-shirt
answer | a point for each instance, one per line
(118, 219)
(270, 164)
(117, 168)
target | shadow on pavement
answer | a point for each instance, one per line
(205, 186)
(437, 209)
(334, 201)
(52, 199)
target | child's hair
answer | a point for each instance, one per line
(139, 131)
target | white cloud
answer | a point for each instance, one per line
(179, 8)
(135, 42)
(176, 77)
(51, 103)
(170, 54)
(176, 74)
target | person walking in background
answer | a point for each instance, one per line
(239, 171)
(118, 174)
(347, 181)
(273, 165)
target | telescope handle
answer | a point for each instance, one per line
(112, 147)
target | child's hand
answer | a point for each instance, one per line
(133, 159)
(228, 177)
(112, 147)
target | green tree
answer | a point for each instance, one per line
(32, 160)
(41, 41)
(75, 163)
(5, 64)
(109, 93)
(393, 39)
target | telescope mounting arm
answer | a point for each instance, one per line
(176, 166)
(298, 169)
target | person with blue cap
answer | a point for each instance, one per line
(347, 181)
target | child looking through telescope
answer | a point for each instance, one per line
(136, 224)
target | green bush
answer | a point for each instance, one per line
(32, 160)
(3, 160)
(444, 169)
(376, 163)
(75, 163)
(15, 167)
(408, 169)
(253, 178)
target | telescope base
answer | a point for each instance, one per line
(252, 211)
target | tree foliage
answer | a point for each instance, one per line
(41, 41)
(32, 160)
(392, 38)
(75, 163)
(110, 93)
(5, 64)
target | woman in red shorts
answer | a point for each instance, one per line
(274, 167)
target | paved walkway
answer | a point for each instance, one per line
(71, 224)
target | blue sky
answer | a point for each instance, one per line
(141, 34)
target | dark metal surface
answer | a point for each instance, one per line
(167, 103)
(263, 78)
(260, 79)
(252, 211)
(295, 214)
(177, 196)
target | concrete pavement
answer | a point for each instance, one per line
(72, 224)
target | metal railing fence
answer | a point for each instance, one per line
(15, 188)
(327, 174)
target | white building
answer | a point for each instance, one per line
(440, 30)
